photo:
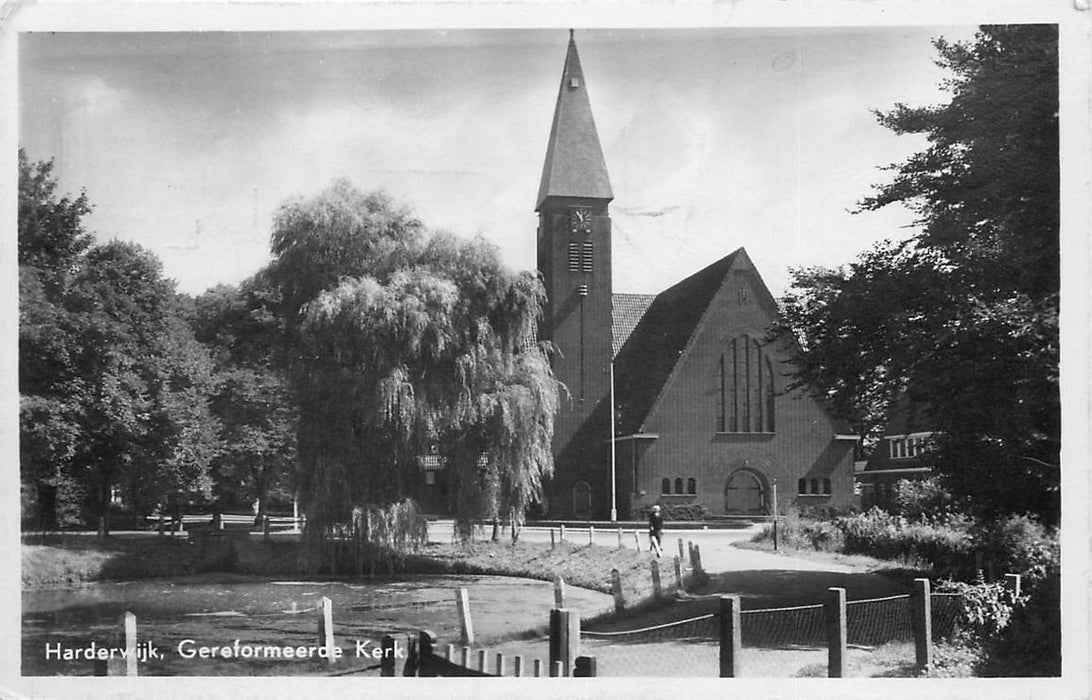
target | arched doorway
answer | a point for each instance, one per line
(744, 494)
(581, 500)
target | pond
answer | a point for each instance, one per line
(178, 618)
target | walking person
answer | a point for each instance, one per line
(655, 530)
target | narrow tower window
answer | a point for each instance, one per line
(586, 259)
(574, 257)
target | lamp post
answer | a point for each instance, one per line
(613, 480)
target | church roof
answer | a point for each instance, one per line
(648, 356)
(625, 314)
(574, 159)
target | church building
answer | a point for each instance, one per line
(703, 409)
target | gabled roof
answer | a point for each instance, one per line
(649, 356)
(626, 313)
(909, 416)
(574, 159)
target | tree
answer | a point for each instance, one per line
(962, 317)
(400, 341)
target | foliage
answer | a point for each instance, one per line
(877, 533)
(799, 530)
(1031, 644)
(398, 341)
(924, 500)
(1018, 544)
(113, 386)
(675, 511)
(961, 318)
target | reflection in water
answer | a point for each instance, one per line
(216, 610)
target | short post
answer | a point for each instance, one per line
(636, 541)
(681, 555)
(517, 666)
(835, 611)
(465, 657)
(483, 655)
(731, 637)
(500, 664)
(619, 538)
(697, 560)
(537, 668)
(386, 663)
(559, 592)
(265, 527)
(466, 625)
(129, 621)
(557, 670)
(450, 653)
(326, 627)
(616, 590)
(922, 618)
(552, 542)
(591, 534)
(1012, 582)
(584, 667)
(160, 527)
(562, 535)
(496, 530)
(657, 590)
(678, 573)
(564, 639)
(690, 551)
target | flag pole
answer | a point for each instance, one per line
(613, 480)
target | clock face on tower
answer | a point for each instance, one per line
(580, 219)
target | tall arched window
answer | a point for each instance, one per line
(826, 487)
(691, 486)
(678, 485)
(745, 400)
(665, 485)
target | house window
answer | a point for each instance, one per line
(826, 487)
(802, 487)
(586, 255)
(691, 486)
(815, 486)
(574, 257)
(678, 485)
(665, 486)
(745, 400)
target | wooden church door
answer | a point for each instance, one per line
(743, 494)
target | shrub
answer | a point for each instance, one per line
(923, 500)
(1018, 544)
(675, 511)
(883, 535)
(798, 531)
(1031, 644)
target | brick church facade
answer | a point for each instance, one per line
(702, 409)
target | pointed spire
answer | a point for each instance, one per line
(574, 159)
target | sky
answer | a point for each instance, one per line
(187, 143)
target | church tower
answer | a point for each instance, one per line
(574, 259)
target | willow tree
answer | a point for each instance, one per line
(401, 340)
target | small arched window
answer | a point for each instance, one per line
(802, 486)
(665, 485)
(678, 485)
(815, 486)
(826, 487)
(691, 486)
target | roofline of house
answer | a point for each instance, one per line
(635, 436)
(903, 470)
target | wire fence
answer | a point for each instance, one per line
(684, 648)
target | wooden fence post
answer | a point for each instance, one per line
(500, 664)
(616, 590)
(835, 610)
(483, 660)
(160, 528)
(657, 590)
(1012, 582)
(465, 658)
(922, 617)
(537, 668)
(326, 627)
(466, 625)
(562, 535)
(265, 527)
(584, 667)
(517, 666)
(697, 561)
(557, 670)
(690, 552)
(564, 639)
(636, 540)
(731, 637)
(619, 538)
(450, 653)
(552, 542)
(386, 663)
(559, 592)
(128, 620)
(678, 573)
(681, 555)
(591, 534)
(774, 495)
